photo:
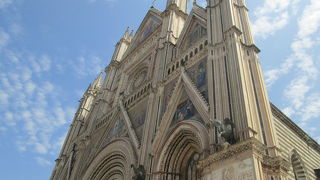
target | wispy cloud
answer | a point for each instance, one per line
(5, 3)
(301, 93)
(4, 37)
(272, 16)
(30, 100)
(85, 66)
(42, 161)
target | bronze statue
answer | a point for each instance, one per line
(225, 130)
(139, 173)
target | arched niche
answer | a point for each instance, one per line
(297, 166)
(113, 162)
(183, 146)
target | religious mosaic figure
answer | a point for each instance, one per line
(117, 131)
(201, 76)
(184, 111)
(152, 24)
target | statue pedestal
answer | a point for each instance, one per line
(246, 160)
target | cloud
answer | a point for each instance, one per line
(4, 98)
(85, 66)
(272, 16)
(42, 161)
(302, 91)
(295, 92)
(311, 108)
(4, 37)
(34, 108)
(309, 22)
(267, 25)
(5, 3)
(288, 111)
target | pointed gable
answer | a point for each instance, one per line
(194, 28)
(149, 24)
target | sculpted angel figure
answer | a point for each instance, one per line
(224, 130)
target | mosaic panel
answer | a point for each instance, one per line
(168, 90)
(119, 130)
(186, 111)
(137, 115)
(198, 75)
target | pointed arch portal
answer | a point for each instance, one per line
(178, 155)
(113, 162)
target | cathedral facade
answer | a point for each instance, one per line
(183, 99)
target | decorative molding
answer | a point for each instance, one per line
(251, 144)
(132, 133)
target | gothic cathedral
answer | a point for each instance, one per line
(184, 99)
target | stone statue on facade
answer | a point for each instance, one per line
(139, 173)
(224, 131)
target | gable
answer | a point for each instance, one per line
(185, 110)
(194, 28)
(195, 33)
(149, 25)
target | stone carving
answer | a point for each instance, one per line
(228, 174)
(248, 175)
(136, 82)
(225, 132)
(139, 172)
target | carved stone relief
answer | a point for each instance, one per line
(136, 81)
(228, 174)
(238, 170)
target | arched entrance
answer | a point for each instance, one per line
(113, 162)
(183, 146)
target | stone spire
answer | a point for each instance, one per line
(122, 45)
(244, 97)
(96, 84)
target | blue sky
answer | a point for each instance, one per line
(51, 50)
